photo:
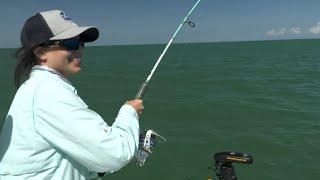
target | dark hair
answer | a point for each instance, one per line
(27, 60)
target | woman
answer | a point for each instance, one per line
(49, 132)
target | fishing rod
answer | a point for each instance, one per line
(144, 85)
(147, 139)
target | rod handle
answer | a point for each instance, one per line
(142, 90)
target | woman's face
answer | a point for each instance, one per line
(63, 60)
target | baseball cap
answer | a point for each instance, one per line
(54, 25)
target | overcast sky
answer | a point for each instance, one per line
(155, 21)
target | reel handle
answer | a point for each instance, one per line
(142, 91)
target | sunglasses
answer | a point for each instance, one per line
(71, 44)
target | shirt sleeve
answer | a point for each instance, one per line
(65, 121)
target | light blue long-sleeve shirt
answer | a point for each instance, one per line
(49, 133)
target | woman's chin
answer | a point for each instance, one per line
(75, 67)
(77, 70)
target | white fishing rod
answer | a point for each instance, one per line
(144, 85)
(147, 140)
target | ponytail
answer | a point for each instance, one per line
(27, 60)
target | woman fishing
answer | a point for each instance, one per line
(49, 132)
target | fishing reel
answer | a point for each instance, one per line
(223, 164)
(147, 142)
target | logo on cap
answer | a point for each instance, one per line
(65, 16)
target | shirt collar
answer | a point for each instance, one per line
(48, 69)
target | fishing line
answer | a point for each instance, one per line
(144, 85)
(184, 45)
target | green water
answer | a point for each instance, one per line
(261, 98)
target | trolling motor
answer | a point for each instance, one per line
(146, 143)
(223, 164)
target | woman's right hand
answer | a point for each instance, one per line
(137, 104)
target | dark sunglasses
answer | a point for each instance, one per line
(71, 44)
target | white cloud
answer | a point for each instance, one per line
(295, 30)
(279, 32)
(284, 31)
(315, 29)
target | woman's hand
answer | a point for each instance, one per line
(137, 104)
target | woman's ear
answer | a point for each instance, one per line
(40, 53)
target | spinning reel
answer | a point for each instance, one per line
(146, 143)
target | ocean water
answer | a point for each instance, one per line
(261, 98)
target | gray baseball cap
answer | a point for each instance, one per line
(54, 25)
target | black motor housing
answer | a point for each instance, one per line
(232, 157)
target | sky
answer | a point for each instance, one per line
(126, 22)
